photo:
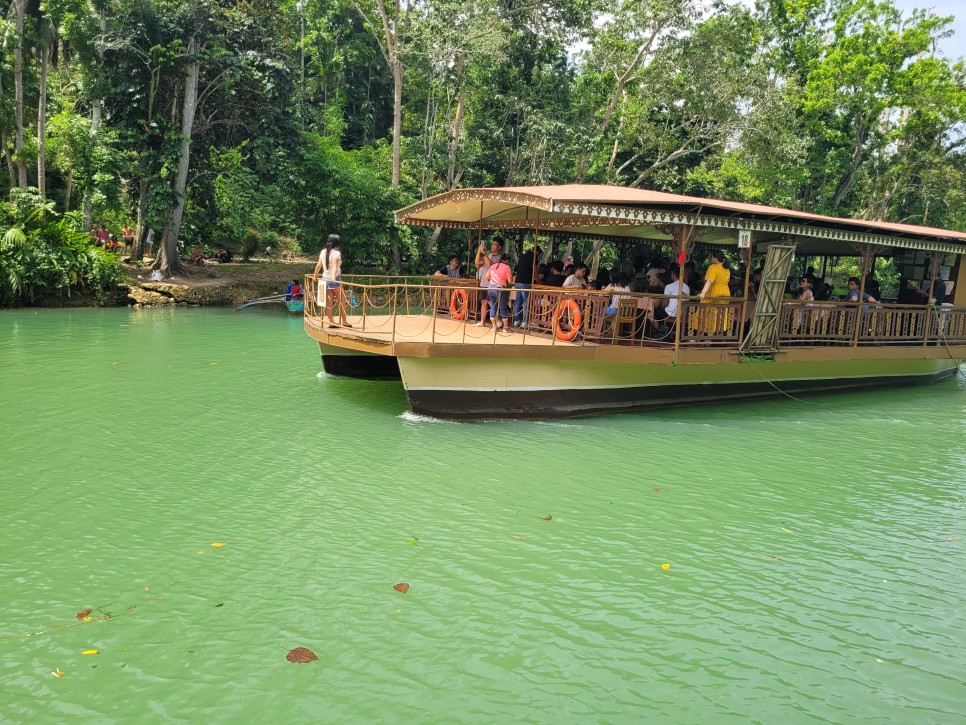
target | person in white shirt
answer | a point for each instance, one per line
(578, 279)
(671, 291)
(330, 262)
(619, 282)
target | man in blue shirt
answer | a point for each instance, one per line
(853, 294)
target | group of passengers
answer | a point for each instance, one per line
(657, 276)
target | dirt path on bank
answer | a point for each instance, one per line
(213, 284)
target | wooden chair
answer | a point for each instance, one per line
(626, 315)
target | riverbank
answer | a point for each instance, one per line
(212, 286)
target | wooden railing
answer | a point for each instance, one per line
(549, 311)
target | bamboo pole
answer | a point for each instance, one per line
(865, 265)
(933, 274)
(744, 300)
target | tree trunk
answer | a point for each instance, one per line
(144, 199)
(21, 12)
(42, 123)
(95, 122)
(68, 190)
(167, 259)
(454, 137)
(11, 170)
(395, 260)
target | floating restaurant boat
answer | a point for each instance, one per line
(572, 359)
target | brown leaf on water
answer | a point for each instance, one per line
(81, 615)
(301, 655)
(657, 489)
(401, 587)
(548, 517)
(520, 538)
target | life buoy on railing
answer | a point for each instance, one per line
(457, 303)
(574, 319)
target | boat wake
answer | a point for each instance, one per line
(411, 417)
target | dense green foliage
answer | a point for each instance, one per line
(836, 106)
(44, 254)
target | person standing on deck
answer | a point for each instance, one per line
(522, 284)
(499, 276)
(483, 262)
(716, 287)
(330, 262)
(555, 278)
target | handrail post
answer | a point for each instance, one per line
(365, 295)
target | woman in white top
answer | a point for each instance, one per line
(330, 262)
(619, 282)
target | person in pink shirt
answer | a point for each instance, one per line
(499, 276)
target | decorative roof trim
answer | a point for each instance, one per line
(604, 215)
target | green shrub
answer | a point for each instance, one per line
(45, 254)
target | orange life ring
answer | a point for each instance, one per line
(576, 318)
(457, 303)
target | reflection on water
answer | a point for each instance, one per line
(815, 550)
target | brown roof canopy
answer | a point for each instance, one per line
(642, 214)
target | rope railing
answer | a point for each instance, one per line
(448, 310)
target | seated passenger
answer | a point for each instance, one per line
(294, 291)
(578, 279)
(669, 315)
(555, 277)
(619, 282)
(806, 295)
(853, 293)
(452, 269)
(639, 282)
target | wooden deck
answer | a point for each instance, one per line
(440, 331)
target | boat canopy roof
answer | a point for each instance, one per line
(641, 214)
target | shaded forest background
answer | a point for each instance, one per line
(261, 123)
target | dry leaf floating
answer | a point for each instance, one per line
(402, 587)
(301, 655)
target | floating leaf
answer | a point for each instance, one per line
(787, 531)
(402, 587)
(657, 489)
(548, 517)
(81, 615)
(412, 543)
(665, 566)
(952, 538)
(212, 363)
(301, 655)
(519, 538)
(218, 544)
(57, 673)
(91, 652)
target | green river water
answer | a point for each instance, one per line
(815, 549)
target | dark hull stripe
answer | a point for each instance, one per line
(572, 402)
(367, 367)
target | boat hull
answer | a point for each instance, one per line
(439, 388)
(355, 364)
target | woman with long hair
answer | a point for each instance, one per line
(330, 262)
(716, 289)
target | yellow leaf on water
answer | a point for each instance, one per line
(952, 538)
(665, 566)
(91, 652)
(218, 544)
(201, 552)
(212, 363)
(519, 538)
(57, 673)
(787, 531)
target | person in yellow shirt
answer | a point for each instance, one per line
(716, 281)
